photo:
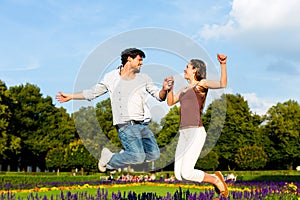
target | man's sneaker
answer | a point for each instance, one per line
(106, 155)
(221, 186)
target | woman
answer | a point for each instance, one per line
(192, 133)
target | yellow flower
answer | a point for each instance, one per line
(44, 189)
(54, 188)
(292, 186)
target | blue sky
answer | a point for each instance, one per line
(46, 42)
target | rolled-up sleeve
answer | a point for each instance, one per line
(94, 92)
(104, 86)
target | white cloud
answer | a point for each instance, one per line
(258, 105)
(269, 25)
(267, 15)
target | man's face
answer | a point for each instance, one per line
(136, 63)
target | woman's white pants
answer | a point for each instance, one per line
(189, 147)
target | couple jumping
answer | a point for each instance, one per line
(128, 88)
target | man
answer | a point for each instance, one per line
(127, 88)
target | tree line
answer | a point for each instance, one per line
(34, 132)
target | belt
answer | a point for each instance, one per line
(130, 123)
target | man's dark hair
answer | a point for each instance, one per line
(131, 52)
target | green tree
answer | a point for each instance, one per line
(213, 121)
(93, 132)
(77, 156)
(282, 125)
(9, 144)
(154, 127)
(40, 125)
(208, 162)
(170, 126)
(55, 158)
(240, 127)
(251, 157)
(5, 115)
(105, 119)
(167, 138)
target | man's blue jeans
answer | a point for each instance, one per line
(139, 146)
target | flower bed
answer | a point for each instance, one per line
(238, 190)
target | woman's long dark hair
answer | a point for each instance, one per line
(199, 75)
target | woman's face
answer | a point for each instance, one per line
(189, 72)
